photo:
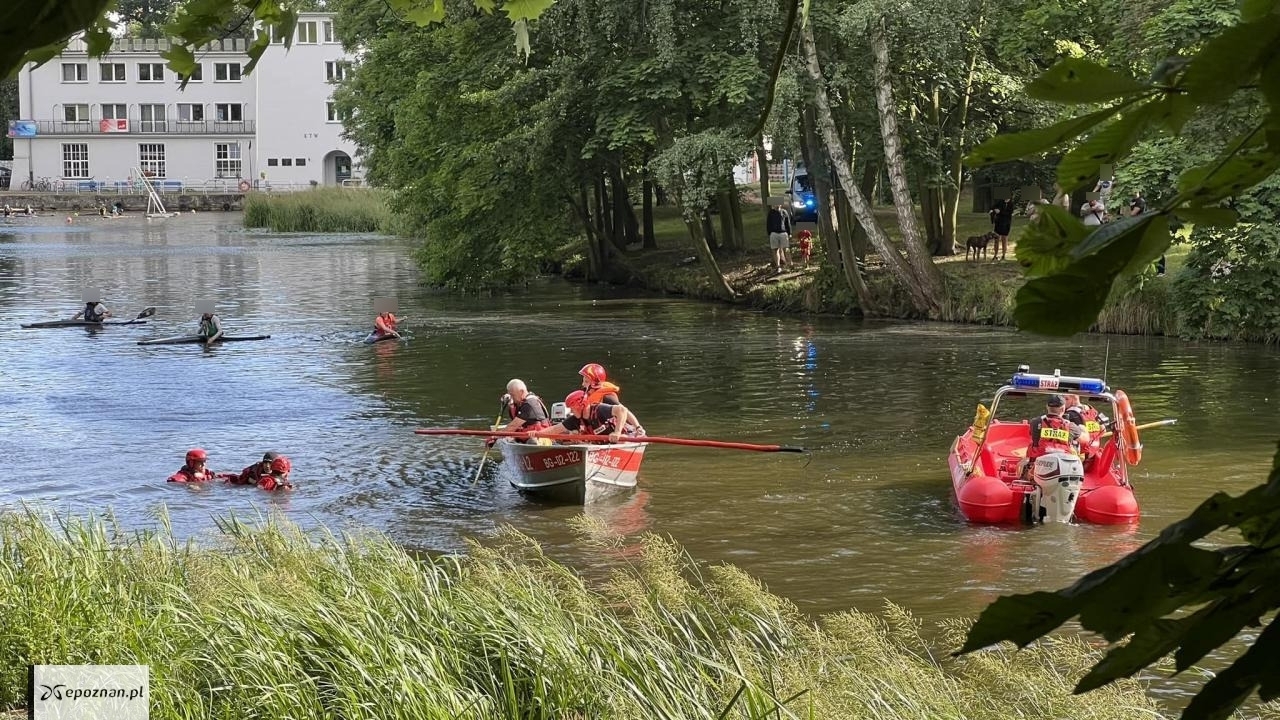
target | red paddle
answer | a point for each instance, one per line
(625, 438)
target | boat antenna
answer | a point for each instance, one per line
(1105, 359)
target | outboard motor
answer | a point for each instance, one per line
(1058, 477)
(558, 412)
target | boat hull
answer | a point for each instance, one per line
(185, 339)
(577, 473)
(78, 323)
(373, 338)
(988, 489)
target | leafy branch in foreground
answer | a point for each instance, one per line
(1171, 596)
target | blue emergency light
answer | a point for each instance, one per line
(1038, 381)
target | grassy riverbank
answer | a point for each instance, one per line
(976, 291)
(322, 210)
(262, 622)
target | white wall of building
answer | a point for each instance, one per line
(276, 120)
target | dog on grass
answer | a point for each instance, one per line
(978, 243)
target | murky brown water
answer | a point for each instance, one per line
(94, 422)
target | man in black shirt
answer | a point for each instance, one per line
(526, 410)
(778, 224)
(602, 419)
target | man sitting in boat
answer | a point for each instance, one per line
(1090, 419)
(599, 419)
(384, 325)
(94, 311)
(526, 411)
(194, 471)
(1053, 432)
(210, 328)
(595, 384)
(255, 472)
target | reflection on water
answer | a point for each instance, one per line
(92, 420)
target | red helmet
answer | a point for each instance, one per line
(281, 465)
(577, 402)
(594, 373)
(197, 454)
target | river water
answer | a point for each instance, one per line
(93, 422)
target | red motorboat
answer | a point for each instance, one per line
(986, 462)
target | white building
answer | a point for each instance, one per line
(88, 123)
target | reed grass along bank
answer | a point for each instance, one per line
(322, 210)
(262, 621)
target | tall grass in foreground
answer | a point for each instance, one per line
(322, 210)
(264, 622)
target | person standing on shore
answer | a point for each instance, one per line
(1002, 220)
(778, 224)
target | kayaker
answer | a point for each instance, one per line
(385, 324)
(194, 471)
(594, 419)
(595, 384)
(210, 328)
(278, 477)
(527, 411)
(1053, 432)
(94, 311)
(255, 472)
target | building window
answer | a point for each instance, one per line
(111, 72)
(287, 162)
(272, 162)
(326, 28)
(300, 162)
(153, 118)
(228, 112)
(307, 33)
(75, 72)
(335, 70)
(151, 159)
(331, 112)
(226, 72)
(197, 75)
(226, 160)
(75, 160)
(150, 72)
(75, 112)
(276, 37)
(190, 112)
(114, 111)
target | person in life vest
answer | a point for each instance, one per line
(194, 471)
(1053, 432)
(94, 311)
(255, 472)
(610, 419)
(278, 477)
(385, 324)
(1090, 419)
(526, 411)
(210, 328)
(595, 384)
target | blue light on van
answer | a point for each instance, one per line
(1054, 382)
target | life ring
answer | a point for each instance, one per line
(1128, 429)
(244, 186)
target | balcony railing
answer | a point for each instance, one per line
(143, 127)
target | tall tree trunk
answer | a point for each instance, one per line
(709, 231)
(595, 265)
(839, 249)
(931, 212)
(951, 194)
(624, 228)
(922, 267)
(735, 206)
(698, 240)
(605, 207)
(857, 203)
(726, 221)
(650, 242)
(868, 187)
(762, 161)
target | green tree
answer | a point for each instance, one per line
(1171, 596)
(8, 111)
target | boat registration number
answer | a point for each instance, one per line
(606, 459)
(548, 461)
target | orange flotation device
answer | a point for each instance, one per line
(595, 395)
(1132, 447)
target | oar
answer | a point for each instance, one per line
(487, 448)
(146, 313)
(604, 439)
(1147, 426)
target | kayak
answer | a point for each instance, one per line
(187, 339)
(80, 323)
(372, 338)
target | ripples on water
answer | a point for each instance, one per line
(94, 421)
